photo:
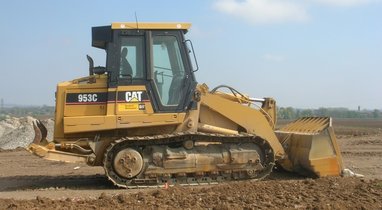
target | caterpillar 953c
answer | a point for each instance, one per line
(147, 122)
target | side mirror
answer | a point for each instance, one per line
(190, 49)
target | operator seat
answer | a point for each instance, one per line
(176, 90)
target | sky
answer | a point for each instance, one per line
(302, 53)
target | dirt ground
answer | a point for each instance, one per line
(28, 182)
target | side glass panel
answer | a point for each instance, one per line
(132, 58)
(168, 69)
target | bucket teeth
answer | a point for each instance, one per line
(308, 125)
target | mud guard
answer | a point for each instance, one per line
(311, 147)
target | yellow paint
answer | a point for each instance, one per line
(133, 120)
(140, 25)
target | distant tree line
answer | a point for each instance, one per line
(34, 111)
(293, 113)
(286, 113)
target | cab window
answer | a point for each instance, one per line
(132, 58)
(168, 69)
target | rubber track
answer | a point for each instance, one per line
(178, 138)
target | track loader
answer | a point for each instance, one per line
(147, 122)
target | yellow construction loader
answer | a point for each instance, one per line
(147, 122)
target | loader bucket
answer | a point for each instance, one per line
(311, 147)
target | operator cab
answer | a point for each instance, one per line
(154, 55)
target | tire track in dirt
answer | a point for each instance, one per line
(54, 182)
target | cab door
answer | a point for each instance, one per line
(172, 78)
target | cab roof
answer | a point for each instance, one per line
(150, 25)
(101, 35)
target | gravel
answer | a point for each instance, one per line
(18, 132)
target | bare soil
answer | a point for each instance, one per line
(28, 182)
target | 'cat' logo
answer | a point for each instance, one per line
(134, 96)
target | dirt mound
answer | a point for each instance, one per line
(18, 132)
(326, 193)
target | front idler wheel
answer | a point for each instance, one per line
(128, 163)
